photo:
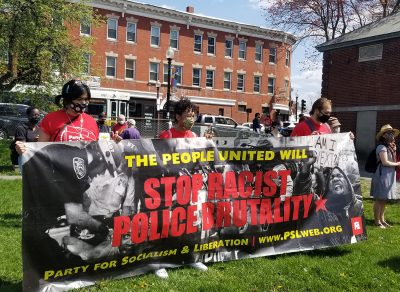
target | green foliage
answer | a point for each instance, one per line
(36, 47)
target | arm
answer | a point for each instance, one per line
(76, 215)
(20, 134)
(385, 161)
(43, 136)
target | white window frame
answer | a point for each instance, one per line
(89, 26)
(258, 57)
(108, 29)
(270, 55)
(213, 46)
(257, 84)
(108, 58)
(176, 40)
(240, 79)
(157, 66)
(197, 77)
(131, 69)
(242, 50)
(271, 87)
(287, 59)
(201, 43)
(134, 32)
(208, 79)
(227, 74)
(155, 36)
(228, 50)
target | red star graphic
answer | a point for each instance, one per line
(320, 204)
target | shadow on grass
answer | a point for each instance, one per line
(10, 220)
(392, 263)
(331, 252)
(10, 286)
(6, 168)
(328, 252)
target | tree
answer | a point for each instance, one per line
(36, 47)
(323, 20)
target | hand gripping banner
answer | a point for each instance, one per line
(95, 210)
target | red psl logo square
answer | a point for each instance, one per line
(356, 225)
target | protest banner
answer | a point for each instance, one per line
(95, 210)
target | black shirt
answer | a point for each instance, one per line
(25, 133)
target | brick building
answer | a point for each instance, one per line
(225, 67)
(361, 73)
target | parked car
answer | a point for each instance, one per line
(222, 126)
(287, 128)
(12, 115)
(250, 126)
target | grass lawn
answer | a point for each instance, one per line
(372, 265)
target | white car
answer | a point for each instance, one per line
(250, 125)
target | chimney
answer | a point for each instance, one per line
(190, 9)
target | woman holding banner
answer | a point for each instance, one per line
(184, 121)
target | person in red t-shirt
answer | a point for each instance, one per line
(317, 123)
(184, 121)
(70, 123)
(120, 126)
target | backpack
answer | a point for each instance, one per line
(371, 164)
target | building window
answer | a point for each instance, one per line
(111, 66)
(227, 80)
(287, 89)
(228, 48)
(241, 108)
(271, 85)
(86, 64)
(240, 82)
(287, 58)
(85, 29)
(176, 74)
(257, 81)
(370, 53)
(129, 69)
(272, 55)
(173, 38)
(131, 32)
(259, 51)
(242, 50)
(211, 45)
(210, 78)
(154, 71)
(112, 29)
(155, 36)
(198, 38)
(221, 111)
(196, 76)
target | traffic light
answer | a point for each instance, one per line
(303, 106)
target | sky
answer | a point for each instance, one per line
(306, 83)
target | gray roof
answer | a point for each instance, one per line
(383, 29)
